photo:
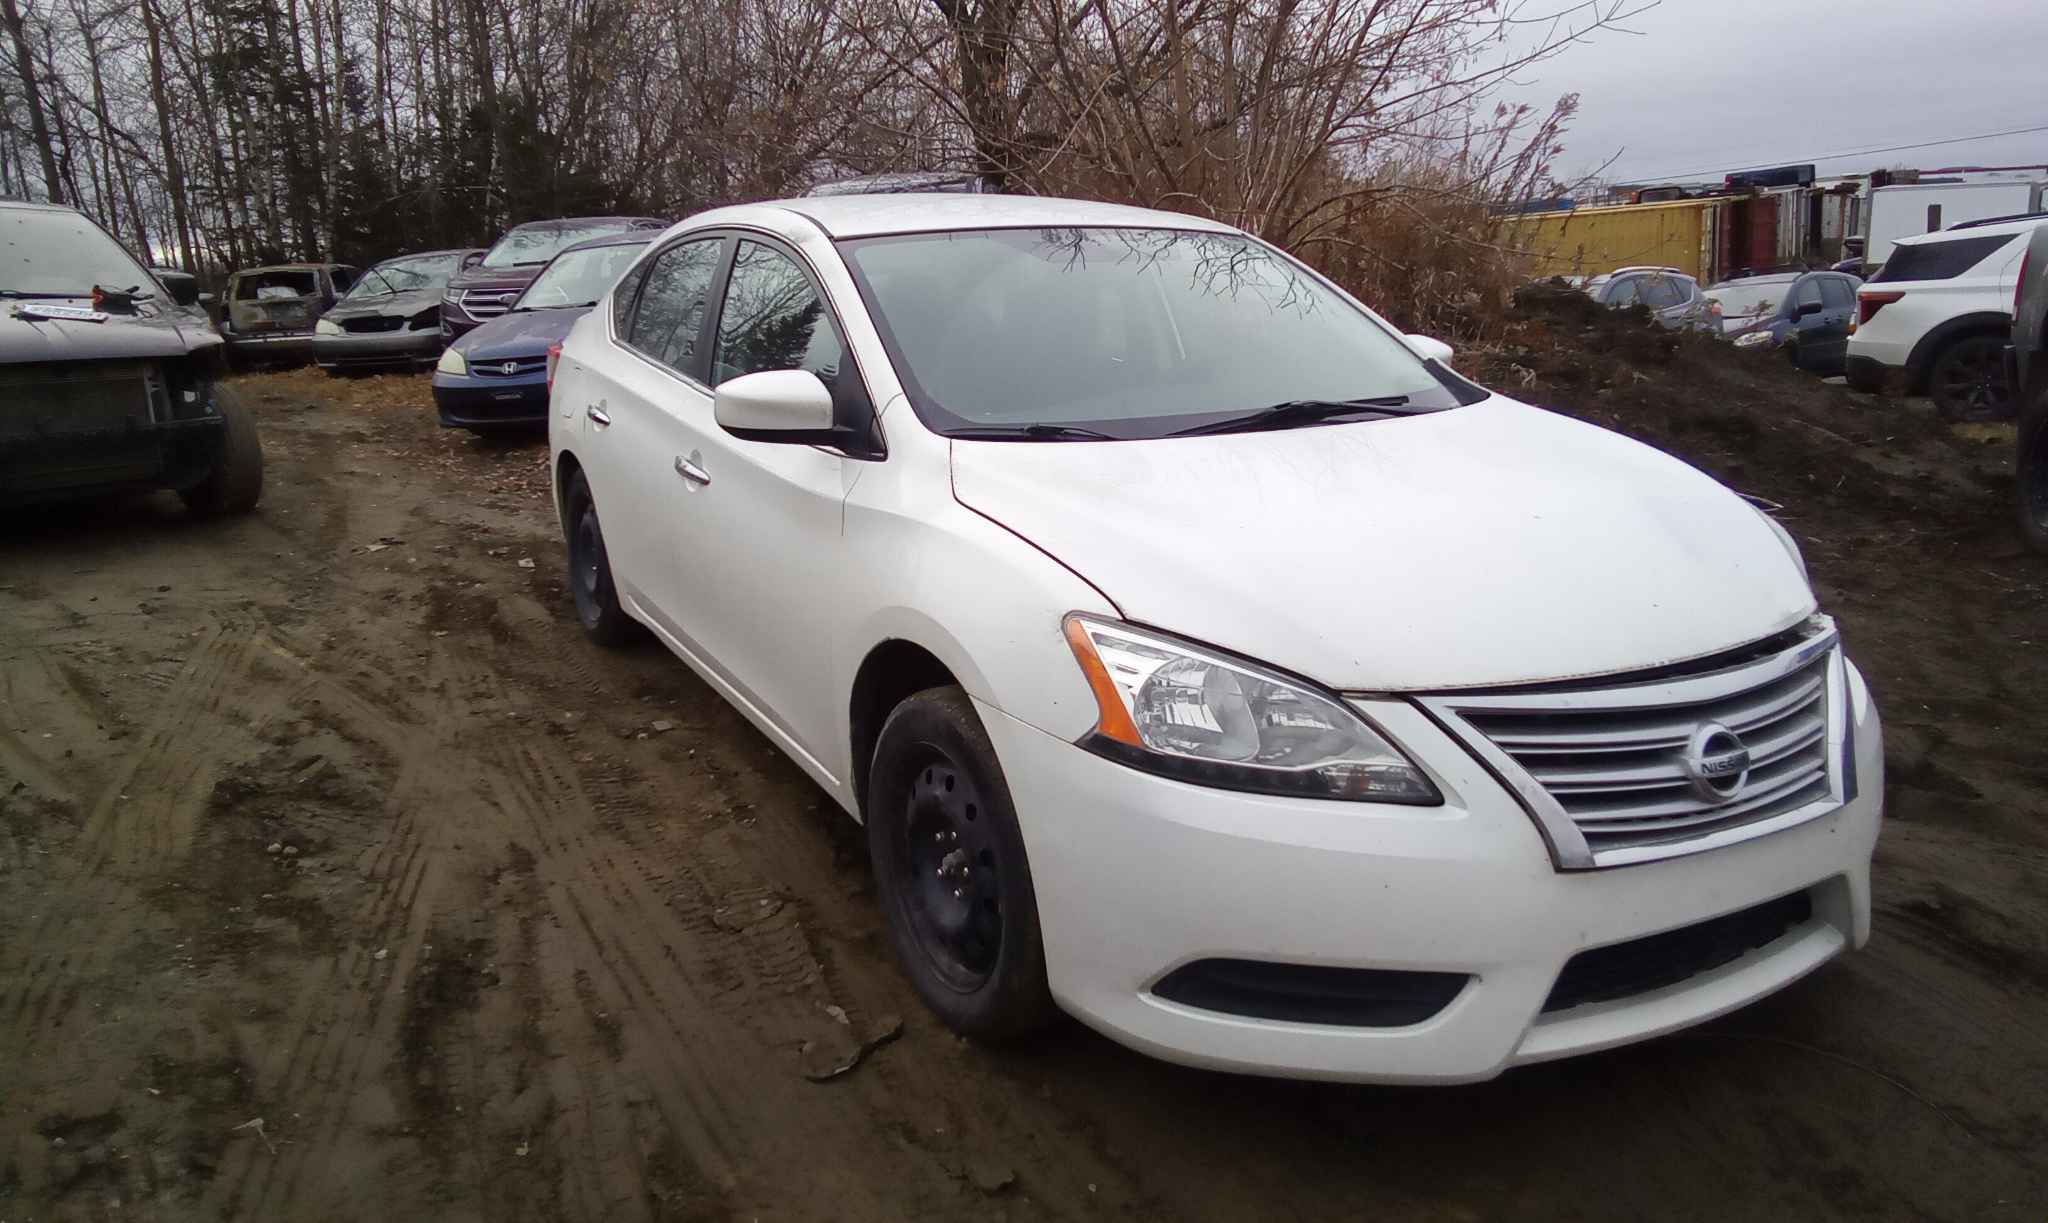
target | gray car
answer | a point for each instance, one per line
(2027, 370)
(391, 316)
(1672, 297)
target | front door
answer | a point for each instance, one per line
(756, 524)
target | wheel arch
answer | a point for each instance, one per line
(1938, 338)
(566, 465)
(895, 668)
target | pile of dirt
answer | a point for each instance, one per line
(1843, 466)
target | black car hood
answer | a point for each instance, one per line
(389, 305)
(524, 333)
(151, 331)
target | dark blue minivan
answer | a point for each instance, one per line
(496, 376)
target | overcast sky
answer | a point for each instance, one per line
(1707, 86)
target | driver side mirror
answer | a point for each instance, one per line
(1429, 348)
(1806, 309)
(777, 405)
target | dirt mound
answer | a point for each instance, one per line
(1841, 466)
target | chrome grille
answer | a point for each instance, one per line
(1612, 774)
(488, 303)
(519, 366)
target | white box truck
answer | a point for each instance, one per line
(1910, 209)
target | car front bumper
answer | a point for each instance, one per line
(291, 346)
(1136, 876)
(362, 350)
(471, 401)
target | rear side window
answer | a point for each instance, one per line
(1662, 292)
(1942, 260)
(1836, 293)
(1624, 293)
(670, 319)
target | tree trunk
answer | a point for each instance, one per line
(38, 128)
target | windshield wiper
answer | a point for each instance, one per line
(1032, 433)
(1289, 412)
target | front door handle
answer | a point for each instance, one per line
(598, 416)
(691, 472)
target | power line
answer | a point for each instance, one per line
(1894, 148)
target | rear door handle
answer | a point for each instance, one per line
(691, 472)
(597, 416)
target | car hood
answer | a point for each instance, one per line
(494, 278)
(1487, 545)
(399, 305)
(526, 333)
(150, 332)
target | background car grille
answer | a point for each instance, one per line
(371, 323)
(1610, 759)
(488, 303)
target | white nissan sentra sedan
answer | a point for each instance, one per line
(1206, 658)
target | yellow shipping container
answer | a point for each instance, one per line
(1589, 241)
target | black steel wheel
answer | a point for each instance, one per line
(954, 883)
(1967, 381)
(590, 570)
(2030, 471)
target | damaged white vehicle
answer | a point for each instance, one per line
(1206, 658)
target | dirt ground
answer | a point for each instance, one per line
(340, 879)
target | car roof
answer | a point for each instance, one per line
(36, 206)
(2002, 228)
(565, 222)
(287, 267)
(453, 250)
(869, 216)
(630, 237)
(1768, 278)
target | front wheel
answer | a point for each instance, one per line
(590, 570)
(2030, 471)
(1967, 381)
(954, 883)
(236, 481)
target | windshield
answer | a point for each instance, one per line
(61, 254)
(578, 278)
(276, 286)
(1130, 332)
(405, 276)
(538, 243)
(1744, 298)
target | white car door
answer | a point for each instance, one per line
(645, 398)
(757, 525)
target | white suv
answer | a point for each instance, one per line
(1935, 319)
(1205, 657)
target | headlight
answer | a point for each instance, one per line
(327, 327)
(1755, 339)
(451, 362)
(1785, 538)
(1176, 709)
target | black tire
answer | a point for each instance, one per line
(968, 937)
(2030, 471)
(590, 571)
(1967, 380)
(236, 482)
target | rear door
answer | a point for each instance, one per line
(643, 400)
(1830, 341)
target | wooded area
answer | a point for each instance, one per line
(214, 133)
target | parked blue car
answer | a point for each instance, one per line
(496, 376)
(1805, 313)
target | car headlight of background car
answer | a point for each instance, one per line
(327, 327)
(451, 362)
(1182, 711)
(1756, 339)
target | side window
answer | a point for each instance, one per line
(675, 292)
(1836, 293)
(773, 320)
(343, 278)
(1661, 292)
(624, 294)
(1623, 293)
(1808, 293)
